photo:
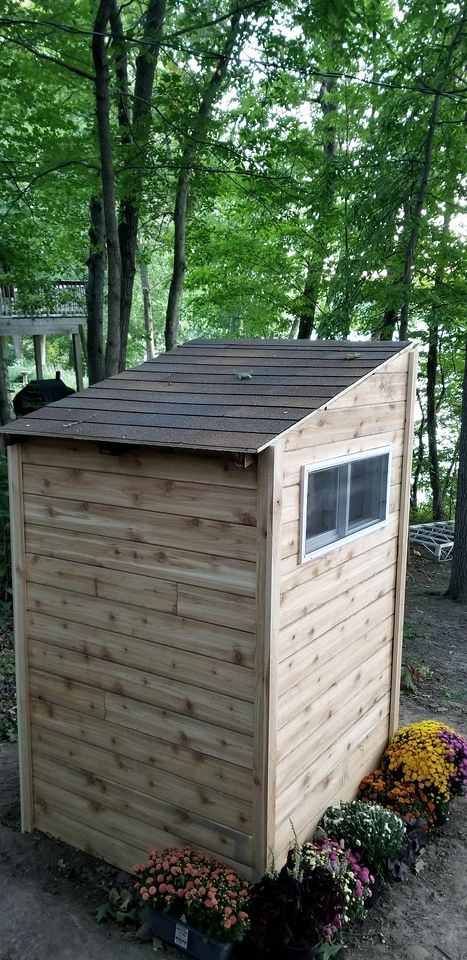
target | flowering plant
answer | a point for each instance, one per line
(375, 833)
(423, 767)
(320, 888)
(430, 754)
(353, 879)
(415, 807)
(210, 895)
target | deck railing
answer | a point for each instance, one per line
(66, 298)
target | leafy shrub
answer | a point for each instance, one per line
(376, 833)
(122, 906)
(8, 725)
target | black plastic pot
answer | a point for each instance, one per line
(197, 945)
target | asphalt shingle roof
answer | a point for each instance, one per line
(224, 395)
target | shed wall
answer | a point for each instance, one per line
(140, 639)
(337, 615)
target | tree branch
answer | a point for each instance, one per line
(48, 56)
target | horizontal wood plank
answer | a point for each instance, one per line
(305, 598)
(387, 388)
(159, 692)
(321, 762)
(113, 849)
(69, 693)
(329, 713)
(294, 460)
(181, 566)
(298, 634)
(146, 765)
(340, 425)
(340, 783)
(150, 463)
(329, 654)
(175, 824)
(200, 736)
(181, 498)
(147, 592)
(136, 526)
(212, 606)
(15, 326)
(221, 643)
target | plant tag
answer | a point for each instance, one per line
(181, 936)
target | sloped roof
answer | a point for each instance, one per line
(195, 397)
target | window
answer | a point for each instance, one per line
(342, 498)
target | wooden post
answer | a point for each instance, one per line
(402, 547)
(15, 483)
(77, 361)
(269, 499)
(39, 354)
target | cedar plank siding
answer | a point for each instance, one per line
(141, 579)
(336, 618)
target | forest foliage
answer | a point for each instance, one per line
(268, 169)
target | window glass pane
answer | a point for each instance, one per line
(321, 516)
(367, 500)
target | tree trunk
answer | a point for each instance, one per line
(95, 293)
(211, 91)
(5, 412)
(457, 589)
(172, 322)
(310, 295)
(447, 485)
(418, 461)
(386, 329)
(316, 263)
(416, 217)
(147, 308)
(431, 421)
(114, 266)
(135, 128)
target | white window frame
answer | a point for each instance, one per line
(305, 554)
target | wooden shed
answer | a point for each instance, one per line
(209, 558)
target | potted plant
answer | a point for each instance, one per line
(422, 768)
(194, 902)
(289, 913)
(376, 834)
(296, 913)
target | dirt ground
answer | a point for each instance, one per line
(49, 892)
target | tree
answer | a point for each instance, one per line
(457, 589)
(191, 148)
(107, 173)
